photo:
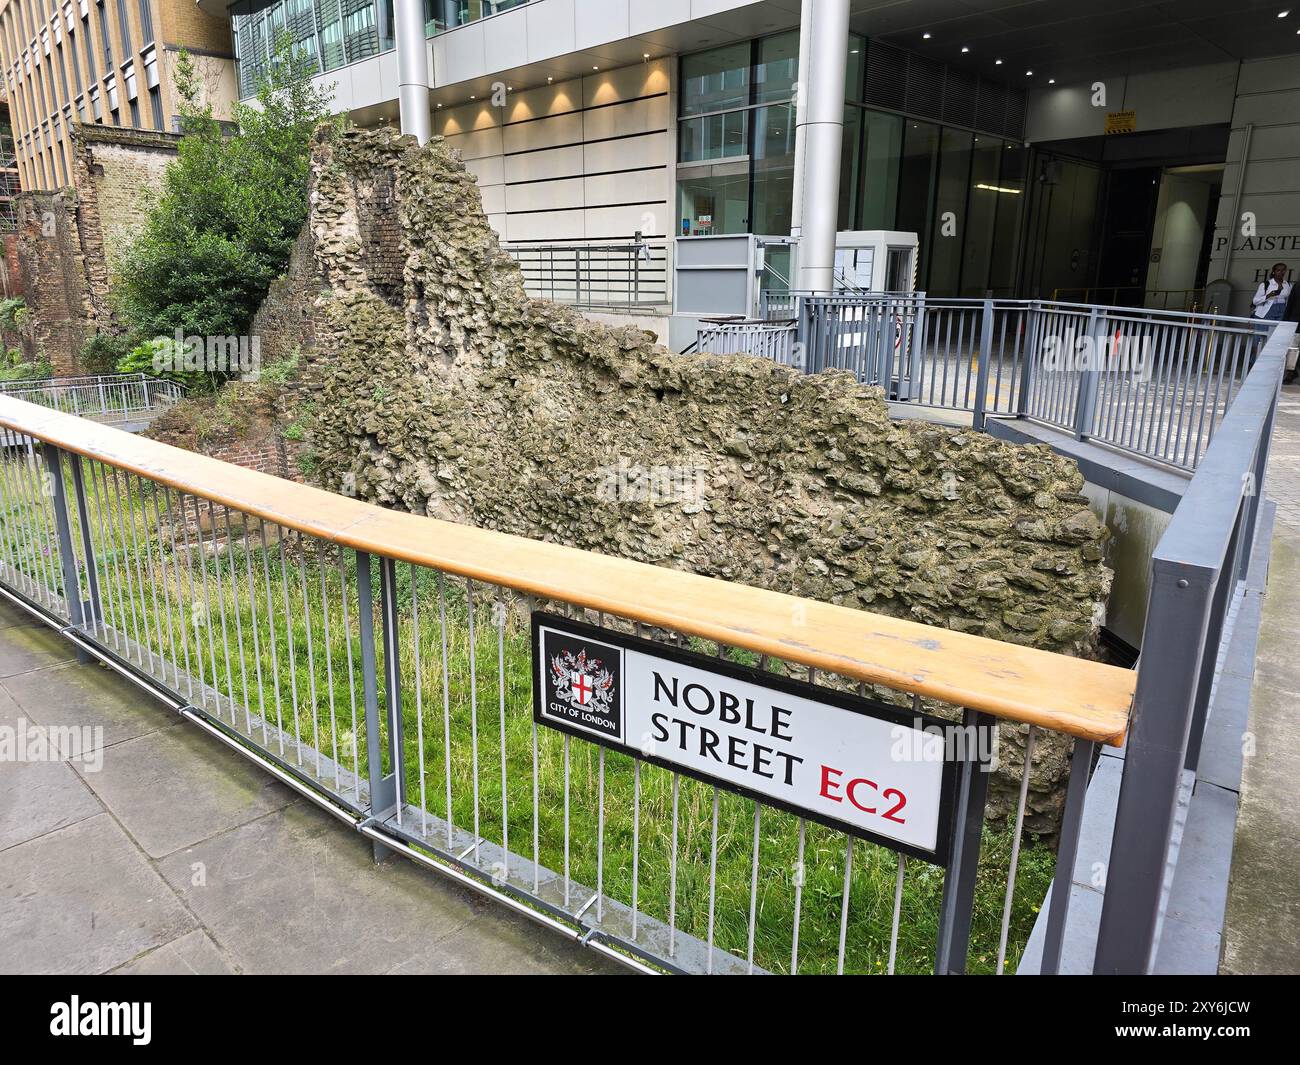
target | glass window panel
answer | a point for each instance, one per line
(881, 160)
(1004, 264)
(715, 80)
(773, 168)
(918, 171)
(778, 67)
(985, 192)
(950, 225)
(715, 201)
(713, 137)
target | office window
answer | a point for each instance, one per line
(723, 136)
(135, 113)
(103, 32)
(124, 29)
(155, 106)
(773, 168)
(90, 51)
(146, 23)
(777, 67)
(715, 80)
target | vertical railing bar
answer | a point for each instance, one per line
(239, 623)
(1015, 850)
(1067, 850)
(274, 641)
(311, 656)
(419, 695)
(473, 710)
(600, 833)
(636, 840)
(798, 897)
(753, 888)
(165, 575)
(190, 617)
(501, 690)
(446, 702)
(352, 681)
(713, 875)
(207, 605)
(221, 598)
(257, 644)
(672, 875)
(329, 668)
(898, 909)
(567, 879)
(116, 610)
(140, 620)
(152, 580)
(293, 656)
(844, 902)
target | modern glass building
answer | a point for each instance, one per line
(1029, 153)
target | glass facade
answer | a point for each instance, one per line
(328, 34)
(960, 190)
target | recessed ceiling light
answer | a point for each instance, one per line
(997, 62)
(964, 49)
(549, 80)
(1029, 73)
(440, 105)
(1283, 14)
(473, 97)
(595, 68)
(1051, 81)
(925, 36)
(645, 55)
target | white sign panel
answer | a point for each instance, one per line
(860, 765)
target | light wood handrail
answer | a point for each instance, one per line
(1075, 696)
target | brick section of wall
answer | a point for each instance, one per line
(53, 273)
(13, 280)
(67, 239)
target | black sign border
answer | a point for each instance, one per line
(940, 856)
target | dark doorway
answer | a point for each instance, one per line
(1128, 214)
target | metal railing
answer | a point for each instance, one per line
(1165, 299)
(596, 276)
(111, 398)
(768, 340)
(379, 663)
(1153, 383)
(1198, 572)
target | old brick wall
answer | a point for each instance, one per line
(55, 280)
(67, 240)
(437, 386)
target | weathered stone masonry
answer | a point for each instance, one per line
(438, 386)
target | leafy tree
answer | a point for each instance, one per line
(230, 209)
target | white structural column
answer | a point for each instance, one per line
(412, 68)
(819, 132)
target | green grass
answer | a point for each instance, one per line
(175, 603)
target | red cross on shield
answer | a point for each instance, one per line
(582, 689)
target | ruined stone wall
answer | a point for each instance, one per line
(54, 279)
(439, 387)
(67, 239)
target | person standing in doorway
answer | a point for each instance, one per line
(1272, 294)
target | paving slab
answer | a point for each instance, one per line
(193, 954)
(29, 647)
(298, 892)
(82, 900)
(177, 786)
(41, 797)
(89, 695)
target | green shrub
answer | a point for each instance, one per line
(229, 212)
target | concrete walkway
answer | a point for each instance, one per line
(1262, 928)
(178, 856)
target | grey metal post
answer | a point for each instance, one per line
(63, 527)
(819, 133)
(412, 68)
(1172, 645)
(1032, 317)
(1066, 854)
(95, 606)
(383, 786)
(959, 880)
(982, 372)
(1086, 402)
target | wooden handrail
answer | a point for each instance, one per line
(1069, 695)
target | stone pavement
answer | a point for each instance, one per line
(178, 856)
(1262, 927)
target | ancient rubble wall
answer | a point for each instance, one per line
(437, 386)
